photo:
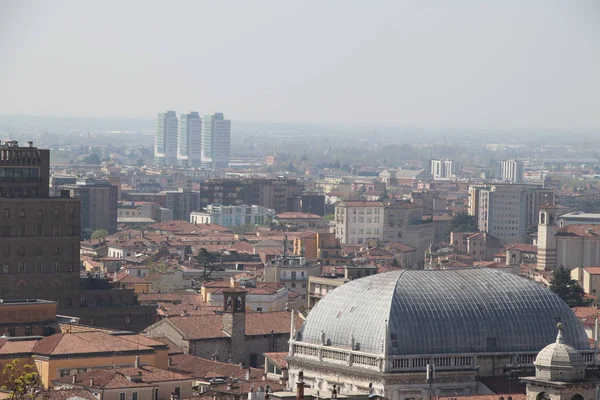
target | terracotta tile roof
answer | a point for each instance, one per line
(199, 327)
(526, 248)
(119, 378)
(203, 368)
(278, 358)
(9, 347)
(361, 204)
(400, 247)
(579, 230)
(587, 315)
(184, 227)
(85, 343)
(592, 270)
(68, 394)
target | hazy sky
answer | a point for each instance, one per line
(480, 63)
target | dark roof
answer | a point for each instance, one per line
(443, 312)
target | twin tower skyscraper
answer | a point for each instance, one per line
(191, 141)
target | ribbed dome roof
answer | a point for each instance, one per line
(442, 312)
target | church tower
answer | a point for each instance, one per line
(560, 374)
(234, 322)
(546, 240)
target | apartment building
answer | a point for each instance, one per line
(507, 210)
(444, 169)
(356, 222)
(293, 271)
(512, 171)
(99, 200)
(233, 216)
(165, 138)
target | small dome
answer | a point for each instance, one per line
(560, 362)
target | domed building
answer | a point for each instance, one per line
(380, 334)
(560, 374)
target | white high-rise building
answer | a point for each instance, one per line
(216, 141)
(512, 171)
(189, 140)
(444, 169)
(165, 139)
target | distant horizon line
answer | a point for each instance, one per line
(383, 125)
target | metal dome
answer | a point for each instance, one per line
(442, 312)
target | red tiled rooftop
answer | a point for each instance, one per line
(592, 270)
(84, 343)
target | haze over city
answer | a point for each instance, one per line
(504, 64)
(310, 200)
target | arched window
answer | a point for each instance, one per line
(21, 287)
(543, 218)
(513, 257)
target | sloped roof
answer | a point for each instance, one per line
(85, 343)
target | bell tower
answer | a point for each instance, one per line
(546, 240)
(234, 322)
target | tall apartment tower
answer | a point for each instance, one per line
(165, 139)
(216, 141)
(189, 140)
(444, 169)
(39, 235)
(512, 171)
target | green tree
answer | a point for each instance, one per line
(93, 159)
(463, 223)
(329, 217)
(156, 276)
(206, 261)
(242, 229)
(99, 234)
(22, 383)
(567, 288)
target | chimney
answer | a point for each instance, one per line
(74, 379)
(91, 382)
(170, 361)
(300, 386)
(284, 376)
(137, 362)
(30, 143)
(248, 374)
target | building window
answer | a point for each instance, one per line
(22, 214)
(121, 396)
(56, 266)
(56, 212)
(40, 213)
(28, 331)
(21, 230)
(4, 269)
(64, 372)
(134, 396)
(128, 319)
(21, 267)
(177, 392)
(82, 301)
(91, 321)
(55, 230)
(293, 285)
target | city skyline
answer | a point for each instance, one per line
(392, 63)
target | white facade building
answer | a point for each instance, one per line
(189, 140)
(216, 141)
(356, 222)
(512, 171)
(165, 139)
(233, 216)
(444, 169)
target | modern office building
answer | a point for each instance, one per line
(216, 141)
(189, 140)
(165, 139)
(99, 202)
(512, 171)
